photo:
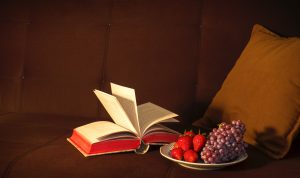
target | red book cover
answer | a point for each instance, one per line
(160, 138)
(104, 147)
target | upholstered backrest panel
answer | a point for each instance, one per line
(14, 18)
(54, 53)
(51, 55)
(153, 48)
(65, 53)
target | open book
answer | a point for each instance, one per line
(134, 127)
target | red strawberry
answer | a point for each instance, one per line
(199, 142)
(189, 133)
(177, 153)
(190, 156)
(185, 142)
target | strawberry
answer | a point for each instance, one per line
(198, 142)
(177, 153)
(190, 156)
(189, 133)
(185, 142)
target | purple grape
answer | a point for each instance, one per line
(225, 143)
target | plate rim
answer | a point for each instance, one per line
(204, 165)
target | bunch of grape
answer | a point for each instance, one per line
(225, 143)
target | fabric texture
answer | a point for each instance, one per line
(262, 90)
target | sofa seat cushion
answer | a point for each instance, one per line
(60, 159)
(35, 145)
(22, 133)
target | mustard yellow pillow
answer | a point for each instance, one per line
(262, 90)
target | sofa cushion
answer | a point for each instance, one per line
(262, 90)
(61, 159)
(225, 32)
(22, 133)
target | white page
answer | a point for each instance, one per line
(119, 135)
(127, 99)
(94, 131)
(115, 110)
(150, 114)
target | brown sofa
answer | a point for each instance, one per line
(175, 53)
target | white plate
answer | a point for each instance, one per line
(200, 165)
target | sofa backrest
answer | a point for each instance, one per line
(173, 52)
(54, 53)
